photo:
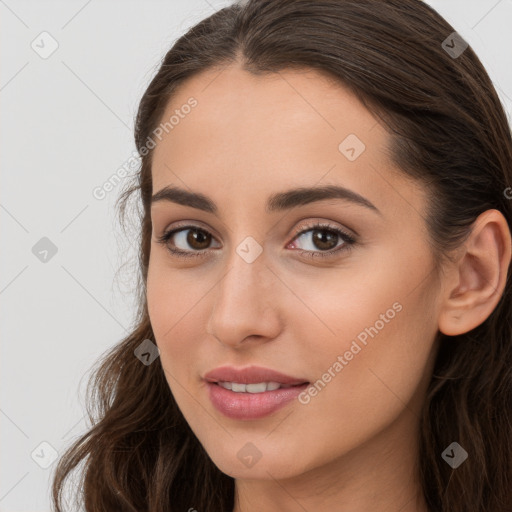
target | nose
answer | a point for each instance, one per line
(245, 307)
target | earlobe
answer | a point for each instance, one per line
(478, 278)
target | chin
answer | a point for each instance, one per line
(270, 466)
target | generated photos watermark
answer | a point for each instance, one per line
(343, 360)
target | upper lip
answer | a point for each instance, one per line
(250, 375)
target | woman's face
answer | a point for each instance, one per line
(265, 286)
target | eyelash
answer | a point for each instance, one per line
(348, 240)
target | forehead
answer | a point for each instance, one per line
(268, 132)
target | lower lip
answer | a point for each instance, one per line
(251, 406)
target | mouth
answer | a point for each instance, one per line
(252, 392)
(245, 402)
(252, 377)
(257, 387)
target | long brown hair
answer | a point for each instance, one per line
(448, 129)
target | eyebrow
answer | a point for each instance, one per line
(277, 202)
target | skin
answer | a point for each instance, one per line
(354, 446)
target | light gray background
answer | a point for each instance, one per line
(67, 124)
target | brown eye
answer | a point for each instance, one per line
(322, 241)
(187, 241)
(188, 238)
(320, 238)
(198, 239)
(192, 241)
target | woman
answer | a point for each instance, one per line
(325, 301)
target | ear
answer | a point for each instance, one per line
(475, 283)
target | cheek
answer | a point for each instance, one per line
(161, 301)
(170, 294)
(166, 306)
(338, 307)
(375, 339)
(176, 302)
(177, 316)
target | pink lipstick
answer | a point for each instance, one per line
(251, 393)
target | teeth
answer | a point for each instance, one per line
(239, 388)
(260, 387)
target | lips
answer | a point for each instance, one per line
(254, 402)
(251, 375)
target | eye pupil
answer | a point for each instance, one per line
(198, 235)
(320, 240)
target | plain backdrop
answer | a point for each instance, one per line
(67, 270)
